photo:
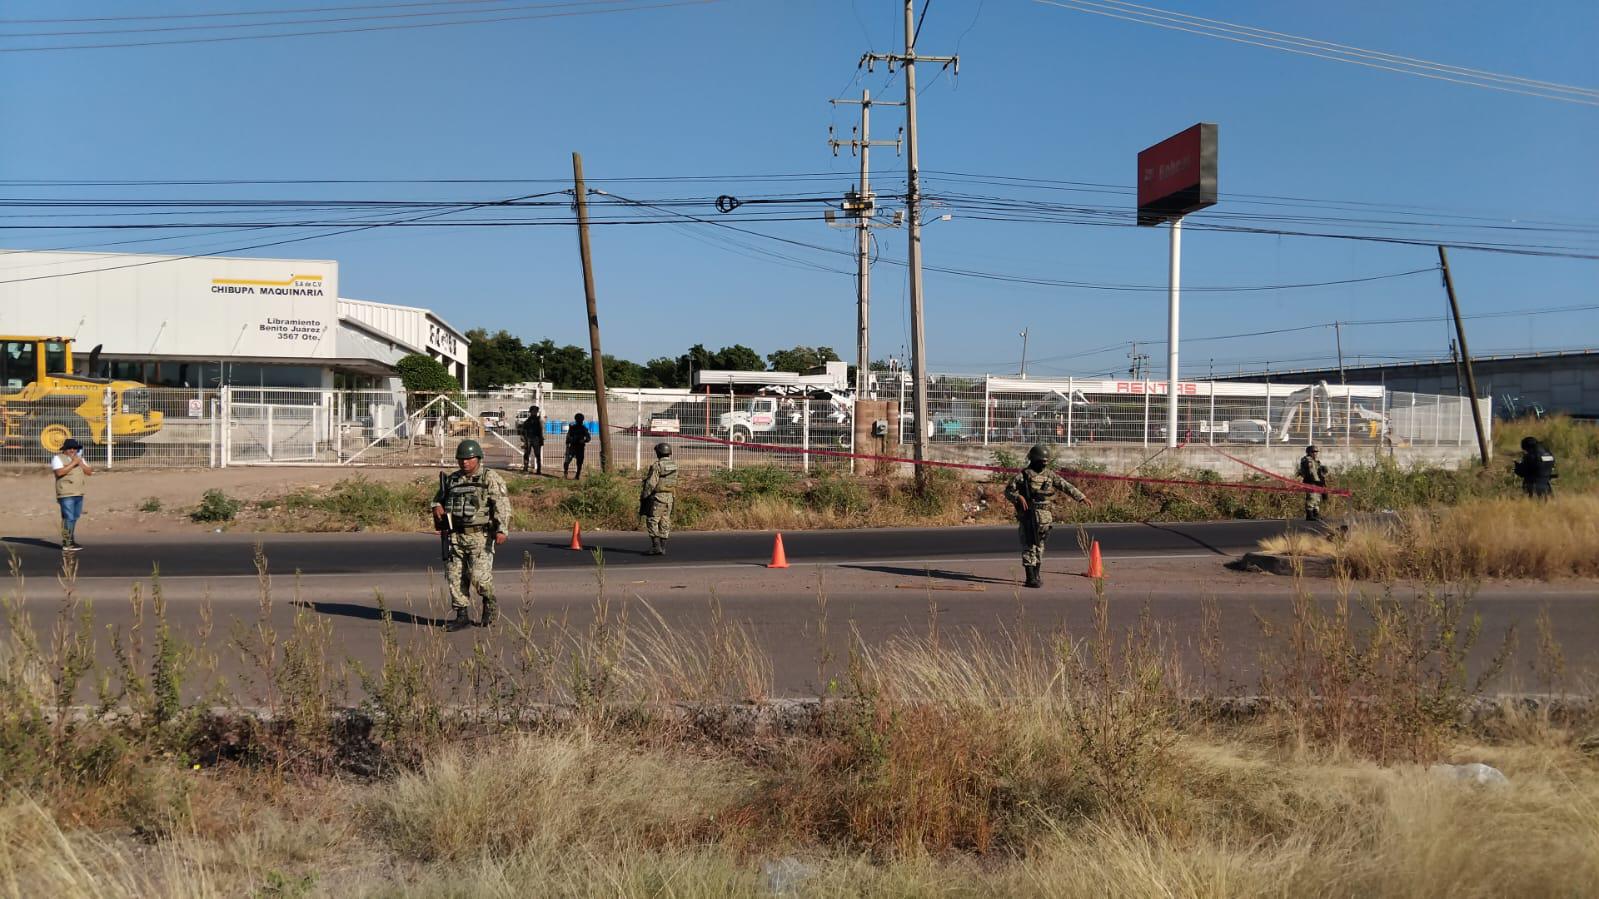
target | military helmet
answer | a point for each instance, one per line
(1529, 444)
(578, 417)
(468, 449)
(662, 450)
(1311, 449)
(1038, 453)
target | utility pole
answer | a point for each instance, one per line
(581, 196)
(1140, 363)
(1024, 352)
(1465, 356)
(863, 204)
(1338, 335)
(913, 204)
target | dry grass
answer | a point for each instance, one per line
(943, 763)
(1492, 538)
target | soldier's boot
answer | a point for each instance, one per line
(460, 622)
(490, 612)
(655, 547)
(663, 546)
(1034, 579)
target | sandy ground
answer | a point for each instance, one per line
(111, 503)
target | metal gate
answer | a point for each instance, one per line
(271, 425)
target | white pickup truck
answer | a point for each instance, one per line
(784, 416)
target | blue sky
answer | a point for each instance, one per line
(740, 87)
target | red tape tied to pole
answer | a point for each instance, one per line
(1290, 486)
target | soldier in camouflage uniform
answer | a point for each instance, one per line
(1314, 474)
(472, 510)
(655, 498)
(1030, 492)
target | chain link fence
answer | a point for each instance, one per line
(970, 418)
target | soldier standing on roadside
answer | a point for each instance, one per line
(1030, 492)
(473, 510)
(1536, 468)
(1313, 473)
(655, 498)
(577, 442)
(533, 440)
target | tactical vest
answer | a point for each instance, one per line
(666, 481)
(466, 499)
(1310, 471)
(1039, 487)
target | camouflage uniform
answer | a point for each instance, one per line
(1313, 473)
(1037, 487)
(479, 508)
(655, 499)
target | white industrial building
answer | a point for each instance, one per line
(176, 321)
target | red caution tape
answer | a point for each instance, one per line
(1290, 486)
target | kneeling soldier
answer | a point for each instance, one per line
(471, 510)
(1030, 492)
(655, 498)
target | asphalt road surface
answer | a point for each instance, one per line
(214, 555)
(874, 585)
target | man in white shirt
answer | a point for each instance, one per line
(71, 471)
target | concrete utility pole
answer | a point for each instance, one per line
(1338, 335)
(581, 195)
(864, 209)
(1465, 356)
(913, 204)
(1023, 336)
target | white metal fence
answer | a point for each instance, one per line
(263, 426)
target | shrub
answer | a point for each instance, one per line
(606, 500)
(838, 495)
(216, 506)
(150, 504)
(758, 480)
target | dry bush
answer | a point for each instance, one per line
(546, 794)
(1298, 543)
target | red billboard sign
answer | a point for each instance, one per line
(1177, 175)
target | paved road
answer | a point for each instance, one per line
(216, 555)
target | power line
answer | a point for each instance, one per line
(247, 12)
(1243, 34)
(365, 28)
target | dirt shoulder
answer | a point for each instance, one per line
(113, 498)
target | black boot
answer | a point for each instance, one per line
(663, 546)
(655, 547)
(490, 612)
(1033, 577)
(460, 622)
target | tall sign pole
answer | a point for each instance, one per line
(1175, 177)
(581, 195)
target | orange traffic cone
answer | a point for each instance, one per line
(779, 558)
(577, 540)
(1096, 566)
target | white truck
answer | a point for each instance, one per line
(784, 417)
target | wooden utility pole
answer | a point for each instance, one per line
(1465, 356)
(594, 316)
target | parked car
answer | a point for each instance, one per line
(1248, 430)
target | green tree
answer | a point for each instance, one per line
(498, 359)
(737, 357)
(422, 374)
(801, 359)
(664, 371)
